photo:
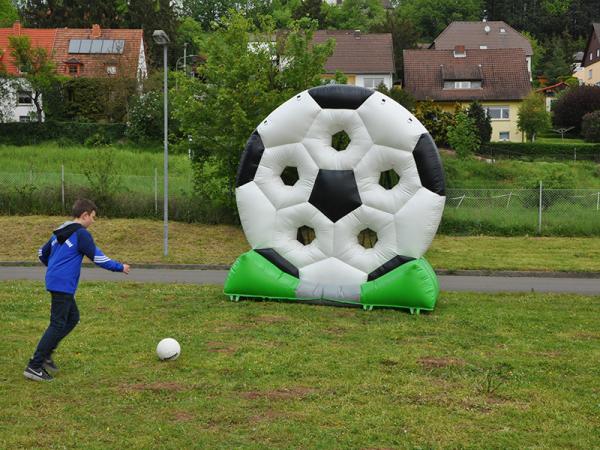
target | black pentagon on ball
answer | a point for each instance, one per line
(335, 193)
(340, 96)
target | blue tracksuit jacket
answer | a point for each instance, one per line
(63, 254)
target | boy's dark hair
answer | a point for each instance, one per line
(83, 205)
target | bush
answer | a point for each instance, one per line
(482, 121)
(463, 136)
(590, 126)
(570, 108)
(31, 133)
(435, 120)
(146, 118)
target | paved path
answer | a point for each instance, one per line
(586, 286)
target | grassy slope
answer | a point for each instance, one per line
(276, 375)
(140, 241)
(459, 174)
(49, 157)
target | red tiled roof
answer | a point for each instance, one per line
(357, 53)
(503, 73)
(39, 38)
(472, 35)
(56, 43)
(94, 65)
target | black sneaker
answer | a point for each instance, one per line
(49, 366)
(37, 374)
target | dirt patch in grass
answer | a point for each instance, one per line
(220, 347)
(266, 416)
(294, 393)
(182, 416)
(439, 363)
(586, 336)
(154, 387)
(336, 331)
(270, 319)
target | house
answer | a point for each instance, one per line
(497, 78)
(483, 35)
(367, 59)
(88, 52)
(551, 92)
(589, 72)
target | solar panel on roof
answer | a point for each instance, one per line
(86, 44)
(96, 46)
(74, 45)
(107, 46)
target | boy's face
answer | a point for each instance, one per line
(86, 219)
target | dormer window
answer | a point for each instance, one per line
(462, 84)
(502, 30)
(460, 51)
(483, 47)
(73, 67)
(24, 98)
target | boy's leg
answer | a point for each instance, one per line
(72, 321)
(59, 315)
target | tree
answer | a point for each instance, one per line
(239, 86)
(590, 126)
(402, 96)
(482, 121)
(463, 135)
(404, 36)
(362, 15)
(573, 104)
(312, 9)
(8, 13)
(432, 16)
(532, 117)
(36, 66)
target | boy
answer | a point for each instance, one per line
(63, 255)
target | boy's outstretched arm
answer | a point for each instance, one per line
(44, 252)
(89, 249)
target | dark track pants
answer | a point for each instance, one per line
(64, 316)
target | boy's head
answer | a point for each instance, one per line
(84, 211)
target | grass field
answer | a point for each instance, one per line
(482, 371)
(140, 241)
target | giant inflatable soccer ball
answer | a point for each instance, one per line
(338, 195)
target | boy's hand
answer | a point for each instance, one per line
(126, 269)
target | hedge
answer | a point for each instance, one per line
(31, 133)
(534, 150)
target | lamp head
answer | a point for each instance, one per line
(160, 37)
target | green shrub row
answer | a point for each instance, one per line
(31, 133)
(534, 150)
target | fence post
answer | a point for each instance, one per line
(509, 197)
(598, 201)
(155, 190)
(540, 211)
(62, 185)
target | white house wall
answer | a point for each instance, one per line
(11, 111)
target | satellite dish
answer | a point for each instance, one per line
(487, 29)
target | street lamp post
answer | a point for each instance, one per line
(161, 38)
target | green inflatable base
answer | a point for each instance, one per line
(413, 285)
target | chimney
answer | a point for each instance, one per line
(96, 31)
(459, 51)
(17, 28)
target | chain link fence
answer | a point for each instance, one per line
(566, 212)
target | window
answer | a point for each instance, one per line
(73, 69)
(505, 135)
(111, 70)
(24, 119)
(24, 98)
(598, 52)
(498, 112)
(502, 30)
(372, 83)
(483, 47)
(591, 55)
(590, 74)
(462, 84)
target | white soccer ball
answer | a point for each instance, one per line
(168, 349)
(338, 193)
